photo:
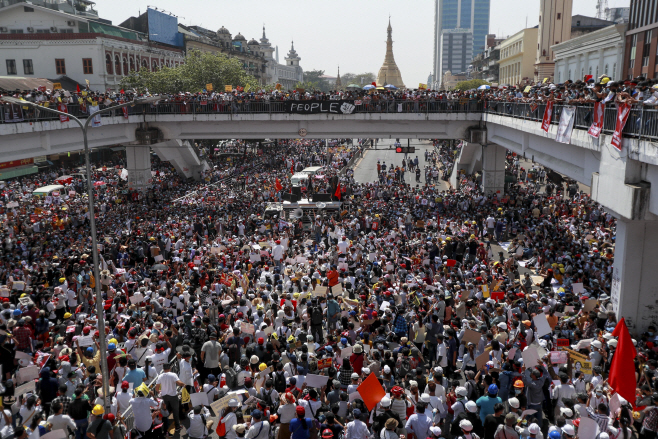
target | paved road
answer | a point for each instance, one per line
(366, 170)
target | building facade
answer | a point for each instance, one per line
(516, 63)
(617, 15)
(554, 28)
(597, 53)
(471, 15)
(641, 40)
(581, 25)
(37, 41)
(486, 65)
(456, 50)
(449, 81)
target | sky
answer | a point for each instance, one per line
(346, 33)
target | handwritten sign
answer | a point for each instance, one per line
(247, 328)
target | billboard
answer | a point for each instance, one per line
(163, 28)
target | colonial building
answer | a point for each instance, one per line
(554, 28)
(69, 40)
(516, 64)
(389, 72)
(597, 53)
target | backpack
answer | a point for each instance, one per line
(280, 381)
(231, 378)
(316, 315)
(405, 368)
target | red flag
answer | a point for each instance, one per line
(337, 194)
(597, 121)
(622, 362)
(64, 109)
(548, 114)
(278, 185)
(623, 111)
(122, 92)
(292, 168)
(77, 87)
(125, 112)
(374, 83)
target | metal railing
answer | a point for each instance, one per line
(642, 122)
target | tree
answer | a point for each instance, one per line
(313, 76)
(199, 69)
(308, 86)
(470, 84)
(360, 79)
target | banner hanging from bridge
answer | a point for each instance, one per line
(566, 125)
(597, 122)
(623, 111)
(317, 107)
(548, 114)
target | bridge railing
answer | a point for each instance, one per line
(642, 122)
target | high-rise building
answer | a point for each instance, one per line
(554, 28)
(464, 15)
(641, 49)
(389, 73)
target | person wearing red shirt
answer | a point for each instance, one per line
(332, 276)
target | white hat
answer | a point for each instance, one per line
(502, 325)
(385, 402)
(355, 376)
(436, 431)
(413, 383)
(612, 343)
(566, 411)
(425, 397)
(438, 369)
(233, 402)
(533, 428)
(466, 425)
(604, 435)
(471, 406)
(387, 369)
(365, 371)
(461, 391)
(514, 402)
(597, 344)
(568, 429)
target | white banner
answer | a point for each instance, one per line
(566, 125)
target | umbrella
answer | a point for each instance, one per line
(381, 88)
(369, 87)
(390, 86)
(354, 86)
(484, 87)
(159, 267)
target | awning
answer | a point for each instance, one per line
(18, 172)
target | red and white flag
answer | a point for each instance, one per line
(64, 109)
(597, 121)
(623, 111)
(548, 115)
(125, 112)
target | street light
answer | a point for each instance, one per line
(92, 218)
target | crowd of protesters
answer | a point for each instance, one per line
(389, 316)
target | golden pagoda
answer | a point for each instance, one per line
(389, 72)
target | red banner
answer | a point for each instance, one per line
(125, 112)
(14, 163)
(548, 115)
(597, 120)
(64, 109)
(623, 111)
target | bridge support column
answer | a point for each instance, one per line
(493, 169)
(138, 158)
(634, 289)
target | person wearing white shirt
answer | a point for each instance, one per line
(419, 423)
(141, 407)
(259, 429)
(198, 418)
(166, 384)
(357, 429)
(123, 398)
(562, 391)
(59, 421)
(186, 370)
(229, 419)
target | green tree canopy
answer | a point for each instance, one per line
(313, 77)
(199, 69)
(470, 84)
(361, 79)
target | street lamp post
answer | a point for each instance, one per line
(92, 220)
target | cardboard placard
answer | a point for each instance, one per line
(590, 304)
(320, 291)
(578, 289)
(30, 386)
(481, 360)
(200, 398)
(346, 352)
(541, 323)
(471, 336)
(530, 356)
(27, 373)
(247, 328)
(86, 341)
(317, 381)
(558, 357)
(337, 290)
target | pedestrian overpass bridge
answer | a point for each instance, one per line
(620, 180)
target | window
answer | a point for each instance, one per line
(631, 63)
(43, 31)
(65, 31)
(28, 9)
(589, 72)
(646, 48)
(606, 70)
(11, 67)
(569, 77)
(559, 15)
(614, 71)
(117, 65)
(578, 23)
(597, 72)
(28, 68)
(108, 64)
(60, 66)
(16, 31)
(125, 66)
(559, 76)
(87, 67)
